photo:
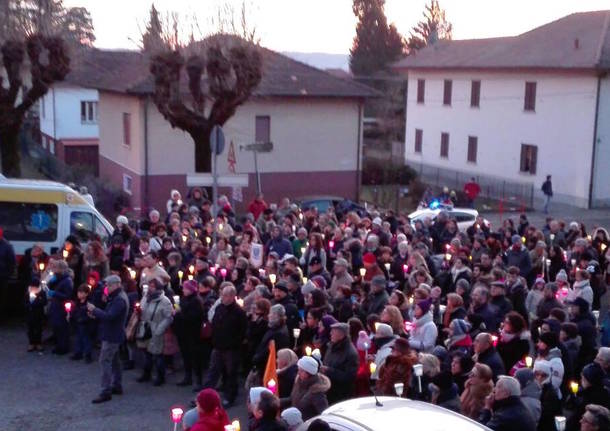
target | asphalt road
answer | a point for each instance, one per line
(50, 393)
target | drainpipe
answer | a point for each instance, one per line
(54, 122)
(592, 178)
(359, 156)
(146, 195)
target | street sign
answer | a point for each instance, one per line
(260, 147)
(217, 140)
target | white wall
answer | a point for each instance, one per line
(308, 135)
(64, 102)
(561, 127)
(601, 179)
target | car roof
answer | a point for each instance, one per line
(394, 411)
(434, 212)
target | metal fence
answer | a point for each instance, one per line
(512, 192)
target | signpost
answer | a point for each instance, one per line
(217, 145)
(258, 147)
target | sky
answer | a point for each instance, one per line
(329, 25)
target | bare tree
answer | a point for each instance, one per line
(200, 84)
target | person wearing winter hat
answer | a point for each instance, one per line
(309, 390)
(378, 297)
(582, 317)
(340, 363)
(293, 418)
(548, 350)
(533, 298)
(212, 417)
(423, 334)
(517, 255)
(383, 341)
(530, 391)
(549, 398)
(459, 336)
(592, 391)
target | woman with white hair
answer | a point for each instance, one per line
(175, 198)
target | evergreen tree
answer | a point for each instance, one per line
(152, 38)
(376, 44)
(433, 28)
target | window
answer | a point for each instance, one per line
(101, 231)
(127, 183)
(530, 96)
(529, 157)
(462, 217)
(421, 90)
(445, 145)
(88, 112)
(447, 92)
(263, 128)
(51, 146)
(127, 129)
(81, 225)
(43, 107)
(475, 94)
(473, 143)
(419, 137)
(44, 142)
(29, 221)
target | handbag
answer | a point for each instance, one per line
(144, 330)
(206, 331)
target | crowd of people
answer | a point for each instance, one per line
(506, 325)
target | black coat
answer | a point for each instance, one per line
(187, 322)
(492, 359)
(550, 407)
(7, 259)
(509, 414)
(60, 291)
(113, 318)
(286, 379)
(513, 351)
(342, 361)
(280, 336)
(35, 309)
(228, 326)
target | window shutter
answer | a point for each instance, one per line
(523, 166)
(475, 94)
(534, 159)
(263, 129)
(472, 148)
(445, 145)
(447, 92)
(421, 90)
(418, 140)
(127, 129)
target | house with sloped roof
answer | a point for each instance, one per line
(103, 115)
(512, 110)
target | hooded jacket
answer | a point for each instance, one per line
(423, 336)
(509, 414)
(309, 395)
(342, 361)
(159, 321)
(530, 397)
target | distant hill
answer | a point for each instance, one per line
(321, 60)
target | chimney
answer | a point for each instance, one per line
(576, 43)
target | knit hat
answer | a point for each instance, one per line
(319, 282)
(543, 367)
(539, 280)
(460, 327)
(189, 286)
(369, 258)
(122, 220)
(255, 394)
(561, 276)
(464, 284)
(292, 416)
(209, 400)
(308, 364)
(112, 279)
(424, 305)
(328, 321)
(515, 239)
(593, 373)
(550, 339)
(308, 287)
(281, 285)
(524, 375)
(383, 330)
(552, 286)
(377, 221)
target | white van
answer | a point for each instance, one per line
(46, 212)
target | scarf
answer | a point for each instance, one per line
(422, 321)
(506, 337)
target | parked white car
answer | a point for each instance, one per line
(363, 414)
(465, 217)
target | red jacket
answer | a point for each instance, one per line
(472, 190)
(215, 421)
(256, 207)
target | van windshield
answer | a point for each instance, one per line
(30, 222)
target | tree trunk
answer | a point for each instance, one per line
(9, 148)
(203, 155)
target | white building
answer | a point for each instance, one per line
(69, 124)
(512, 110)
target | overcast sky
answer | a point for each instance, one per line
(329, 25)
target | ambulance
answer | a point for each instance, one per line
(45, 213)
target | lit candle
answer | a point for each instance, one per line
(240, 302)
(191, 269)
(236, 425)
(448, 256)
(220, 226)
(177, 413)
(405, 268)
(528, 361)
(132, 273)
(552, 237)
(387, 267)
(573, 262)
(574, 387)
(68, 307)
(190, 276)
(41, 266)
(308, 350)
(65, 254)
(331, 244)
(362, 272)
(376, 326)
(272, 278)
(372, 367)
(213, 270)
(176, 299)
(304, 280)
(272, 385)
(603, 246)
(411, 300)
(300, 216)
(208, 240)
(32, 296)
(180, 275)
(184, 238)
(223, 272)
(302, 250)
(494, 340)
(296, 332)
(399, 388)
(589, 237)
(523, 239)
(261, 272)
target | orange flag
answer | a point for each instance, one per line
(270, 377)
